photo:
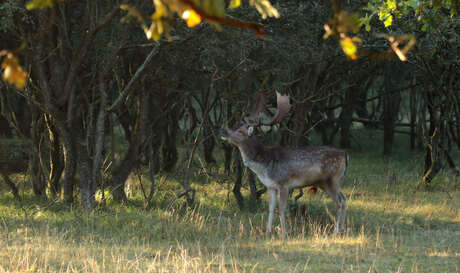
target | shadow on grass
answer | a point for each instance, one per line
(318, 214)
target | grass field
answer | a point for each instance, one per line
(394, 224)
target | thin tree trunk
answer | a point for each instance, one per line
(98, 156)
(208, 143)
(434, 151)
(390, 113)
(87, 187)
(345, 125)
(11, 185)
(55, 157)
(70, 161)
(122, 172)
(228, 151)
(413, 115)
(238, 181)
(254, 196)
(36, 171)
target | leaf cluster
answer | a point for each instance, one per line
(13, 72)
(193, 12)
(429, 13)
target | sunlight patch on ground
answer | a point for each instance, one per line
(444, 254)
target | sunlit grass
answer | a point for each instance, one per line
(393, 225)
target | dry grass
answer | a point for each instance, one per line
(392, 226)
(385, 234)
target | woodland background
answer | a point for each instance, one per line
(108, 117)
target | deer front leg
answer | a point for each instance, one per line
(271, 209)
(284, 196)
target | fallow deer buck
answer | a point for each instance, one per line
(283, 168)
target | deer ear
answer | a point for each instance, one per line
(250, 130)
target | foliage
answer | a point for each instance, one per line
(430, 13)
(42, 4)
(9, 10)
(192, 12)
(13, 72)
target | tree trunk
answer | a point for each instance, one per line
(238, 182)
(346, 120)
(122, 172)
(208, 143)
(432, 158)
(36, 176)
(56, 165)
(70, 164)
(154, 167)
(434, 151)
(36, 171)
(413, 118)
(390, 114)
(11, 185)
(169, 149)
(87, 185)
(99, 138)
(228, 151)
(254, 200)
(5, 130)
(327, 130)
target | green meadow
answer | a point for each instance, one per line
(394, 224)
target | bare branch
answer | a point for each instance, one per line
(139, 71)
(254, 117)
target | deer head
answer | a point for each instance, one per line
(254, 120)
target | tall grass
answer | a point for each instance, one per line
(394, 224)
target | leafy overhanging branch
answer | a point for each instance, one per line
(223, 20)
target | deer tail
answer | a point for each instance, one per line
(347, 160)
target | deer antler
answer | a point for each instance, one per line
(283, 107)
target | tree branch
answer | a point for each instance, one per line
(81, 53)
(229, 22)
(125, 91)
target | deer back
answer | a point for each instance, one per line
(293, 166)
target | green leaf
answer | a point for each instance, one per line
(386, 17)
(366, 21)
(349, 48)
(391, 4)
(40, 4)
(215, 7)
(388, 21)
(234, 4)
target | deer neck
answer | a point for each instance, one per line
(254, 153)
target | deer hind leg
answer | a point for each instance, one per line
(341, 203)
(341, 212)
(284, 196)
(271, 209)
